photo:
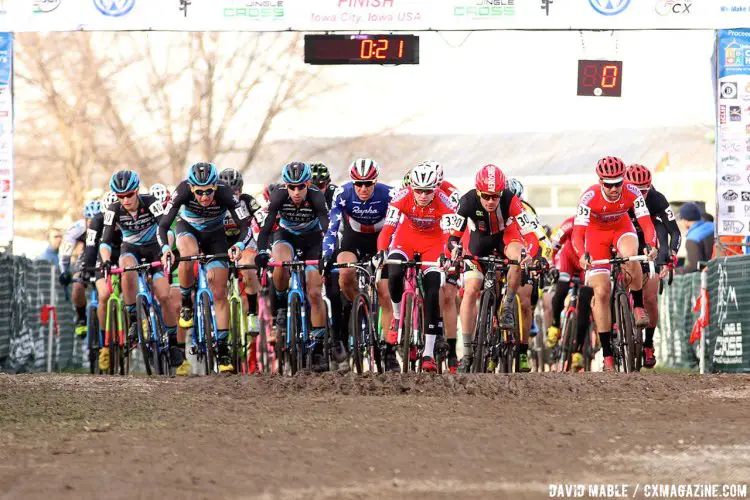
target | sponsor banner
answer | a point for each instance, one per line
(6, 139)
(733, 132)
(374, 15)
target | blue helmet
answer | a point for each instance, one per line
(203, 174)
(92, 208)
(296, 172)
(124, 181)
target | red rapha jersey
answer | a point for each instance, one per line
(404, 211)
(596, 212)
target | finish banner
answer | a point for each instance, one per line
(374, 15)
(6, 138)
(733, 132)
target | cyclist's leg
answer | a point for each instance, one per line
(347, 277)
(651, 302)
(102, 289)
(128, 284)
(252, 286)
(282, 250)
(568, 267)
(187, 245)
(512, 250)
(583, 312)
(472, 290)
(524, 296)
(79, 301)
(598, 243)
(627, 246)
(449, 310)
(432, 316)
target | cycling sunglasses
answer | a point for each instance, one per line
(613, 185)
(207, 191)
(424, 191)
(296, 187)
(489, 196)
(360, 184)
(124, 196)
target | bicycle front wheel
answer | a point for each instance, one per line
(359, 329)
(205, 317)
(484, 325)
(143, 327)
(294, 349)
(235, 332)
(627, 330)
(406, 337)
(92, 334)
(567, 342)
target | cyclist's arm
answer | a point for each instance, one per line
(321, 209)
(642, 215)
(330, 240)
(670, 223)
(562, 235)
(277, 198)
(241, 216)
(93, 236)
(581, 222)
(460, 222)
(110, 222)
(69, 243)
(173, 207)
(391, 221)
(529, 225)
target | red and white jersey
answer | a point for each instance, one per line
(563, 233)
(404, 213)
(596, 212)
(451, 191)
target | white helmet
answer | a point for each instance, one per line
(515, 186)
(160, 192)
(424, 176)
(108, 199)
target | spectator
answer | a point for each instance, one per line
(708, 217)
(54, 237)
(700, 237)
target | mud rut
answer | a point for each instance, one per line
(395, 436)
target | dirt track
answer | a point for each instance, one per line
(333, 436)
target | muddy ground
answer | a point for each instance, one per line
(395, 436)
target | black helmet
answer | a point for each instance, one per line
(203, 174)
(320, 173)
(232, 178)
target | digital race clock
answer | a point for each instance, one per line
(361, 49)
(600, 78)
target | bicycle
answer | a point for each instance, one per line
(296, 347)
(239, 346)
(627, 344)
(364, 340)
(569, 327)
(152, 336)
(265, 348)
(411, 326)
(93, 335)
(487, 342)
(116, 327)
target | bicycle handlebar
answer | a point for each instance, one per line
(620, 260)
(291, 263)
(203, 258)
(139, 267)
(413, 263)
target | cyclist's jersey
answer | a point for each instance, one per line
(351, 213)
(139, 228)
(74, 235)
(310, 216)
(453, 194)
(509, 210)
(595, 212)
(662, 217)
(404, 214)
(544, 244)
(563, 233)
(247, 204)
(94, 238)
(203, 219)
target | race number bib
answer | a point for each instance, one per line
(392, 216)
(669, 212)
(90, 237)
(451, 222)
(156, 209)
(582, 215)
(639, 207)
(242, 212)
(109, 217)
(260, 217)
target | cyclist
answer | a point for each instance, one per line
(668, 234)
(321, 179)
(569, 266)
(91, 259)
(417, 221)
(202, 203)
(137, 217)
(302, 217)
(249, 285)
(526, 293)
(358, 213)
(499, 225)
(74, 238)
(406, 181)
(602, 223)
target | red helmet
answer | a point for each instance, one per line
(610, 167)
(490, 179)
(638, 175)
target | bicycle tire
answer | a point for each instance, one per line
(143, 327)
(373, 343)
(407, 333)
(210, 362)
(114, 332)
(627, 329)
(281, 351)
(262, 339)
(92, 334)
(421, 337)
(235, 332)
(484, 324)
(294, 350)
(567, 342)
(359, 329)
(160, 351)
(588, 349)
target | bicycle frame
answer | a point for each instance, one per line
(115, 298)
(154, 310)
(199, 334)
(264, 319)
(235, 307)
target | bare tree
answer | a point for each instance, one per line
(91, 103)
